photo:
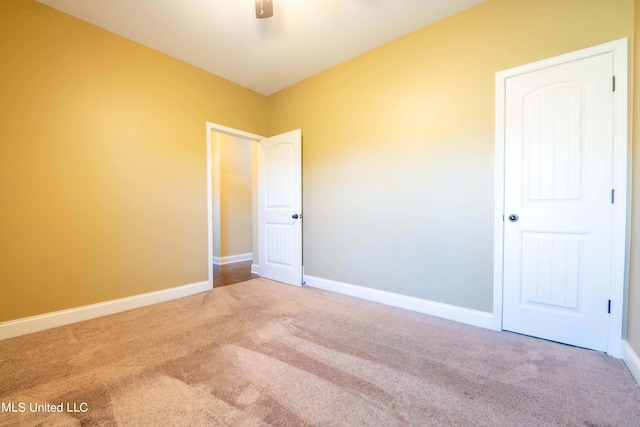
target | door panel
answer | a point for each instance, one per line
(553, 148)
(551, 270)
(280, 200)
(558, 179)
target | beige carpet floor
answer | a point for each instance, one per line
(261, 353)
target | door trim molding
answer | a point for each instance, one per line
(619, 253)
(213, 127)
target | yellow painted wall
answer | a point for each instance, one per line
(102, 162)
(398, 151)
(236, 196)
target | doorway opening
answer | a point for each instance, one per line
(232, 174)
(234, 186)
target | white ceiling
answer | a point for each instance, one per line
(303, 38)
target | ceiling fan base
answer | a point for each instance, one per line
(264, 9)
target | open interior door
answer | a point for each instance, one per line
(280, 211)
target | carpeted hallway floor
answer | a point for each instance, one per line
(261, 353)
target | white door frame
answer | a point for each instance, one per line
(621, 177)
(213, 127)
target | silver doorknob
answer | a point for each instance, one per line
(514, 217)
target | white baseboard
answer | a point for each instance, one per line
(232, 258)
(255, 269)
(27, 325)
(632, 361)
(446, 311)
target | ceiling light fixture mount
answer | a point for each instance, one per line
(264, 9)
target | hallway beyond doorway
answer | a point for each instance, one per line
(229, 274)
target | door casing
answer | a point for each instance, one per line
(621, 176)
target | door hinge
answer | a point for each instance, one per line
(609, 307)
(613, 196)
(614, 83)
